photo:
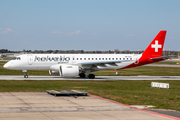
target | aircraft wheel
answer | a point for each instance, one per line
(25, 76)
(91, 76)
(82, 75)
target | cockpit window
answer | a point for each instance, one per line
(16, 58)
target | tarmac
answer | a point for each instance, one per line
(18, 77)
(42, 106)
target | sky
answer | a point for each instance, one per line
(88, 25)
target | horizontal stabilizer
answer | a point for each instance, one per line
(159, 58)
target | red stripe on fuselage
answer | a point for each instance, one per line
(141, 61)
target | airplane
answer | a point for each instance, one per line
(66, 65)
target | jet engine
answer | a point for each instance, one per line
(64, 70)
(54, 73)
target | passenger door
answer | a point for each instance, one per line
(30, 59)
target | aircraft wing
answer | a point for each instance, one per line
(88, 65)
(102, 62)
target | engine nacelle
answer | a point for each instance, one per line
(54, 73)
(66, 70)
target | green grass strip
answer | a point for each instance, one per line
(127, 92)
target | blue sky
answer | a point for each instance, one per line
(87, 24)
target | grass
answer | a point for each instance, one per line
(142, 70)
(127, 92)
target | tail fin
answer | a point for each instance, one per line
(153, 52)
(155, 48)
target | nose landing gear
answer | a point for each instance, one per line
(25, 73)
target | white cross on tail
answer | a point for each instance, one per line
(156, 46)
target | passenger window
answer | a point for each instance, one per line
(99, 58)
(106, 58)
(119, 58)
(96, 58)
(92, 58)
(112, 58)
(127, 58)
(88, 58)
(109, 58)
(102, 58)
(77, 58)
(73, 58)
(130, 58)
(123, 58)
(116, 58)
(80, 58)
(84, 58)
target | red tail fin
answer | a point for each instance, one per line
(155, 48)
(153, 52)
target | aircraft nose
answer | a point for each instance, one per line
(6, 66)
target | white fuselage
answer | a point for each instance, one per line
(45, 61)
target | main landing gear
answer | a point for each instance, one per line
(82, 75)
(90, 76)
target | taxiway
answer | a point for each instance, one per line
(18, 77)
(42, 106)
